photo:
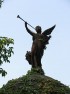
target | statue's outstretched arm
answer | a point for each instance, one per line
(28, 30)
(48, 31)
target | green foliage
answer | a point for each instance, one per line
(1, 3)
(37, 70)
(3, 72)
(34, 84)
(5, 52)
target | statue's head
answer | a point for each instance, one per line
(38, 29)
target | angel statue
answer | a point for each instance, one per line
(40, 40)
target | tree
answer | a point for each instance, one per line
(5, 52)
(1, 2)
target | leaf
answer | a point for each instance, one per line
(4, 73)
(1, 62)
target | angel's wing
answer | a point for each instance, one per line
(48, 31)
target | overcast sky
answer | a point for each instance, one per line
(46, 13)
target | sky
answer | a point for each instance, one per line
(46, 13)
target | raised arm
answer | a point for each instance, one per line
(28, 30)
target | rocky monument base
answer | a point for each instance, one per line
(35, 82)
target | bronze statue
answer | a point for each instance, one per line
(40, 40)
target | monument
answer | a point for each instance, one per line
(40, 40)
(35, 82)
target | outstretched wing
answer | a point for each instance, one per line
(48, 31)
